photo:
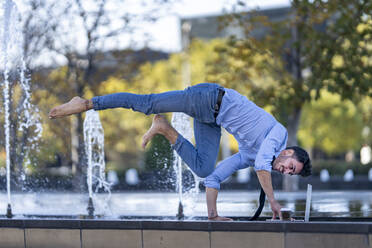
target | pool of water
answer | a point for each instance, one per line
(230, 203)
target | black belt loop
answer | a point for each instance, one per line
(217, 107)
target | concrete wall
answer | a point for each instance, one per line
(179, 234)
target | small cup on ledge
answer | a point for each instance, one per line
(287, 213)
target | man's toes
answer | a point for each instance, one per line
(53, 113)
(145, 139)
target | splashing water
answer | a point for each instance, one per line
(94, 148)
(8, 6)
(12, 63)
(181, 122)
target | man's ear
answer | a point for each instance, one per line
(288, 152)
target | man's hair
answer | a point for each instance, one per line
(302, 156)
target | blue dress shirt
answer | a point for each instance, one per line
(260, 137)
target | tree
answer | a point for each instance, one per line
(332, 125)
(306, 47)
(83, 34)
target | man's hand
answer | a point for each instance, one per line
(275, 207)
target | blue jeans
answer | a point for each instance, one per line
(196, 101)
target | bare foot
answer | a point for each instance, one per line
(74, 106)
(160, 125)
(220, 218)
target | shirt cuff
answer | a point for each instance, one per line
(263, 167)
(96, 103)
(212, 182)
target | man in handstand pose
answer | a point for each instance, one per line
(262, 139)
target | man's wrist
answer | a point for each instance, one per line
(88, 104)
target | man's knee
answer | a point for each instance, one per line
(205, 168)
(203, 174)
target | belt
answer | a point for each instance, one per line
(217, 107)
(262, 200)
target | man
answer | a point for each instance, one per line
(262, 140)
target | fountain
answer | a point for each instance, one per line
(13, 64)
(94, 148)
(181, 122)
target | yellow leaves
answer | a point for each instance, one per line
(291, 91)
(307, 139)
(337, 61)
(331, 124)
(346, 44)
(269, 109)
(236, 63)
(363, 27)
(234, 146)
(367, 61)
(113, 85)
(336, 112)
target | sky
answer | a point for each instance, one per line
(165, 33)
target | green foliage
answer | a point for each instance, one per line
(320, 44)
(159, 155)
(331, 124)
(342, 56)
(336, 167)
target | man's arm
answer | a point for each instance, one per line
(212, 183)
(265, 180)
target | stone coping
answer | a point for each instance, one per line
(192, 225)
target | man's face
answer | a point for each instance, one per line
(285, 163)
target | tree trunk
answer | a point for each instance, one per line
(76, 130)
(290, 183)
(78, 153)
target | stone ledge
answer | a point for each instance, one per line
(52, 224)
(194, 225)
(329, 227)
(110, 224)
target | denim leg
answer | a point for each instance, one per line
(196, 101)
(171, 101)
(202, 158)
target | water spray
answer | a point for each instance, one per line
(11, 60)
(180, 122)
(8, 8)
(94, 148)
